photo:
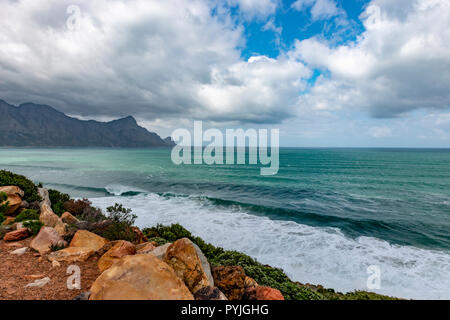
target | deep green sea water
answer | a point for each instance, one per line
(326, 216)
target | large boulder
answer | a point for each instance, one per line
(209, 293)
(119, 250)
(71, 254)
(183, 258)
(46, 238)
(230, 280)
(160, 252)
(47, 216)
(262, 293)
(9, 190)
(17, 235)
(86, 239)
(68, 218)
(205, 264)
(139, 277)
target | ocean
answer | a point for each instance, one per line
(325, 218)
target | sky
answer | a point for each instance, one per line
(327, 73)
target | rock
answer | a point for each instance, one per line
(209, 293)
(68, 218)
(10, 190)
(14, 203)
(183, 258)
(83, 296)
(71, 254)
(160, 252)
(230, 280)
(46, 238)
(38, 283)
(4, 230)
(43, 193)
(139, 277)
(8, 221)
(140, 237)
(262, 293)
(47, 216)
(119, 250)
(205, 264)
(145, 248)
(17, 235)
(250, 283)
(20, 252)
(83, 238)
(61, 227)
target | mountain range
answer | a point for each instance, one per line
(35, 125)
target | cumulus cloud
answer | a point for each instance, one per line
(255, 9)
(400, 63)
(152, 59)
(320, 9)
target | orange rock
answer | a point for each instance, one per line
(139, 277)
(250, 283)
(14, 203)
(83, 238)
(68, 218)
(8, 221)
(140, 237)
(230, 280)
(71, 254)
(17, 235)
(119, 250)
(183, 258)
(47, 216)
(144, 248)
(12, 190)
(266, 293)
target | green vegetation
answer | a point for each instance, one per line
(58, 200)
(263, 274)
(121, 222)
(4, 206)
(33, 226)
(26, 215)
(11, 179)
(2, 218)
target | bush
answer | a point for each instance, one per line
(121, 222)
(33, 226)
(58, 200)
(2, 218)
(92, 214)
(4, 205)
(8, 178)
(27, 215)
(76, 207)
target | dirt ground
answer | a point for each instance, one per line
(18, 271)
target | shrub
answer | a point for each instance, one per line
(26, 215)
(121, 222)
(92, 214)
(2, 218)
(8, 178)
(76, 207)
(33, 226)
(4, 204)
(58, 200)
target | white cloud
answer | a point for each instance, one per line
(400, 63)
(255, 9)
(380, 132)
(320, 9)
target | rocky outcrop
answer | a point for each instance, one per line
(230, 280)
(209, 293)
(17, 235)
(71, 254)
(46, 238)
(145, 248)
(10, 190)
(119, 250)
(86, 239)
(139, 277)
(47, 216)
(183, 258)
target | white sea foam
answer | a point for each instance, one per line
(307, 254)
(118, 189)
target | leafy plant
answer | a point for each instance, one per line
(33, 226)
(8, 178)
(26, 215)
(2, 218)
(121, 222)
(76, 207)
(92, 214)
(58, 200)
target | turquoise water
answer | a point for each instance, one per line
(335, 211)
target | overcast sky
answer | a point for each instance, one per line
(326, 72)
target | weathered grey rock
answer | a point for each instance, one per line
(205, 264)
(160, 251)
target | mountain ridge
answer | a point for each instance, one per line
(37, 125)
